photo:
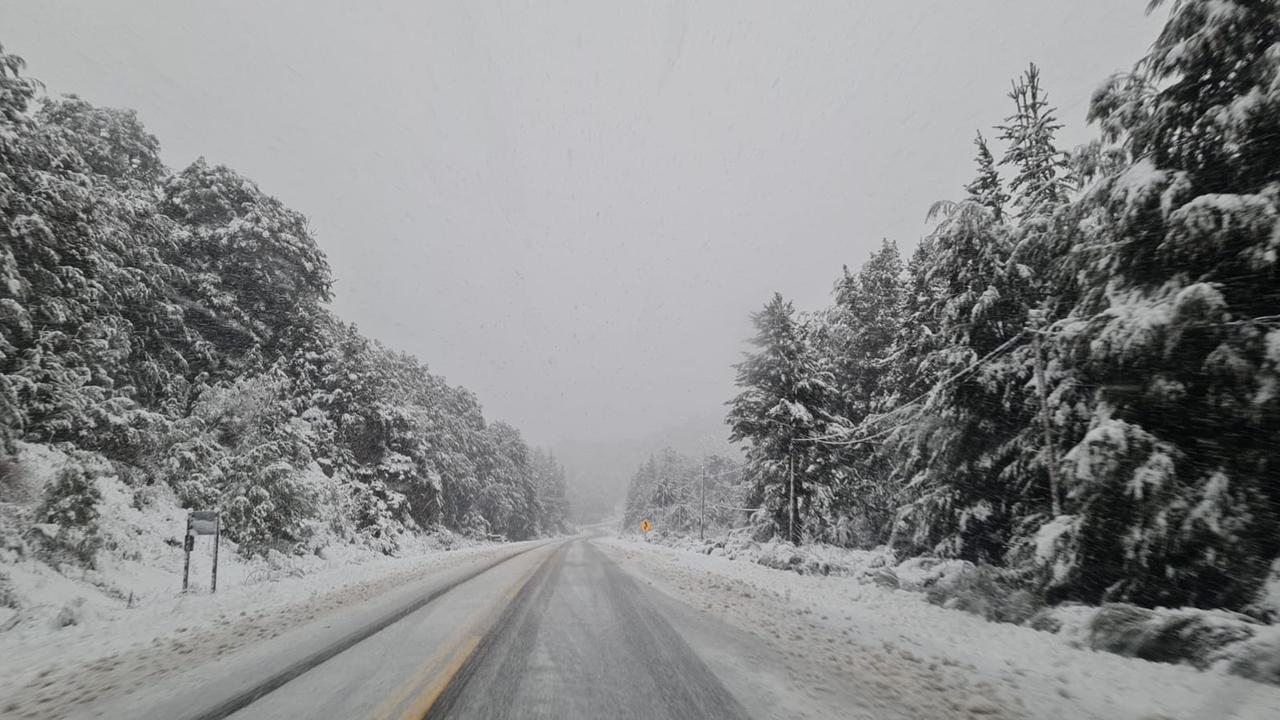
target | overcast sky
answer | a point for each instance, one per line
(572, 208)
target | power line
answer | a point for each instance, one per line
(827, 439)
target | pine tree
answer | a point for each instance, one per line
(112, 143)
(986, 189)
(1040, 182)
(857, 346)
(950, 457)
(90, 341)
(549, 481)
(257, 275)
(1172, 479)
(71, 502)
(780, 411)
(16, 94)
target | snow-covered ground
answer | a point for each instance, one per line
(849, 630)
(42, 664)
(69, 632)
(1227, 641)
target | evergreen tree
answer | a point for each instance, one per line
(549, 480)
(952, 455)
(1172, 480)
(89, 335)
(257, 275)
(780, 412)
(71, 502)
(857, 345)
(986, 189)
(1040, 181)
(112, 143)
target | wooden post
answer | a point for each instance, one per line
(186, 547)
(217, 534)
(1046, 426)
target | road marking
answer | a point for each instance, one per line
(421, 705)
(439, 669)
(273, 682)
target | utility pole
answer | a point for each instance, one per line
(791, 492)
(217, 535)
(188, 544)
(1051, 459)
(702, 513)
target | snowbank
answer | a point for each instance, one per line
(926, 653)
(1206, 639)
(61, 622)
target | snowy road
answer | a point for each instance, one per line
(559, 632)
(556, 630)
(602, 627)
(584, 641)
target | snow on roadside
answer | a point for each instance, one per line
(41, 666)
(1010, 670)
(66, 629)
(1240, 644)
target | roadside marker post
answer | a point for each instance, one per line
(201, 522)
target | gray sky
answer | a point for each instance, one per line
(572, 208)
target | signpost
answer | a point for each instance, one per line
(201, 522)
(645, 525)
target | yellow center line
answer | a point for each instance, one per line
(435, 674)
(422, 703)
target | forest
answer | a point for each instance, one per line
(176, 325)
(1074, 379)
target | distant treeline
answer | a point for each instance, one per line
(678, 493)
(177, 324)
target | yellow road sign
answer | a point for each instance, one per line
(645, 525)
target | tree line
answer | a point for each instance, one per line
(177, 324)
(679, 493)
(1075, 377)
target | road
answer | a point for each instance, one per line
(599, 628)
(582, 641)
(555, 631)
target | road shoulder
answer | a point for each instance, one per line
(890, 650)
(119, 659)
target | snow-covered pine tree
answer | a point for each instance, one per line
(112, 143)
(972, 303)
(1040, 238)
(509, 497)
(1040, 181)
(638, 505)
(856, 344)
(780, 412)
(16, 93)
(1173, 486)
(243, 450)
(83, 288)
(257, 276)
(71, 502)
(987, 189)
(549, 480)
(124, 160)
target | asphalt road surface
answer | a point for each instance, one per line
(539, 630)
(581, 640)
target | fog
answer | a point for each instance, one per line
(572, 208)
